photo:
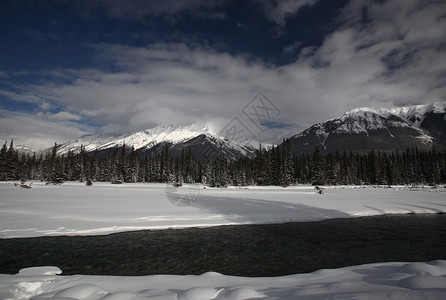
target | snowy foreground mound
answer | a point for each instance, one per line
(372, 281)
(75, 209)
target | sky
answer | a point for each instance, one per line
(70, 68)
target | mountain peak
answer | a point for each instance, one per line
(200, 138)
(365, 128)
(139, 139)
(414, 114)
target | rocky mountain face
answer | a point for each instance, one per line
(202, 142)
(386, 129)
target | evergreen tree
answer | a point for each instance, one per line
(114, 168)
(261, 167)
(123, 163)
(56, 168)
(286, 171)
(94, 176)
(3, 163)
(318, 168)
(207, 173)
(132, 165)
(11, 163)
(333, 169)
(275, 166)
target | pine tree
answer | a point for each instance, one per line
(11, 163)
(261, 165)
(318, 168)
(286, 171)
(122, 166)
(275, 166)
(132, 166)
(95, 166)
(207, 173)
(434, 168)
(333, 169)
(3, 163)
(114, 167)
(56, 168)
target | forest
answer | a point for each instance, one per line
(274, 166)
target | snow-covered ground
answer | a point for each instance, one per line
(75, 209)
(373, 281)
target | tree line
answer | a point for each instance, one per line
(275, 166)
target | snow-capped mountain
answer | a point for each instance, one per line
(201, 140)
(22, 149)
(359, 130)
(366, 128)
(140, 140)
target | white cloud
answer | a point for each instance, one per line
(59, 116)
(381, 60)
(25, 95)
(45, 106)
(278, 10)
(36, 132)
(291, 49)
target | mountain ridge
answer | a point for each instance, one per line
(359, 130)
(366, 128)
(138, 139)
(202, 140)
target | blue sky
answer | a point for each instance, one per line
(69, 68)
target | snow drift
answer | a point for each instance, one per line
(396, 280)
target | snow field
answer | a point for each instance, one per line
(75, 209)
(371, 281)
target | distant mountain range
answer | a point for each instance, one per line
(202, 142)
(359, 130)
(386, 129)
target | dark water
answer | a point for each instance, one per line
(244, 250)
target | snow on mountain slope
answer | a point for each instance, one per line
(140, 140)
(150, 137)
(367, 128)
(213, 145)
(201, 139)
(369, 118)
(22, 149)
(416, 114)
(412, 115)
(360, 129)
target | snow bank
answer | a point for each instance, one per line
(372, 281)
(75, 209)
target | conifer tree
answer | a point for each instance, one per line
(3, 163)
(133, 166)
(56, 167)
(318, 168)
(114, 167)
(275, 165)
(94, 166)
(11, 163)
(286, 171)
(261, 167)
